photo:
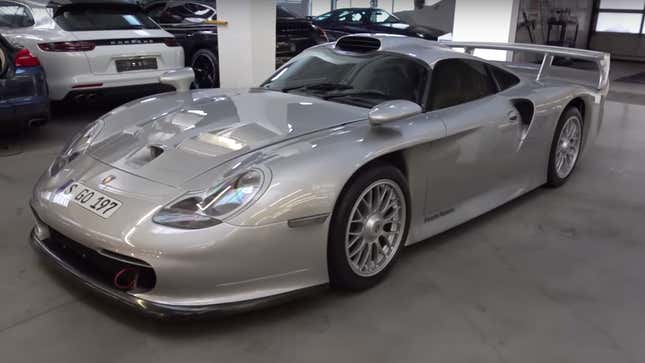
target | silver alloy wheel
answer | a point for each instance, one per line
(568, 148)
(375, 228)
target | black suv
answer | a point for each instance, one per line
(192, 23)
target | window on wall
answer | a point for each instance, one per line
(361, 3)
(403, 5)
(319, 7)
(620, 16)
(386, 4)
(342, 4)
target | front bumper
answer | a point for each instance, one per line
(155, 309)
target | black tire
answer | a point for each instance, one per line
(4, 61)
(206, 67)
(341, 274)
(554, 180)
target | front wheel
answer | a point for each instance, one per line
(566, 147)
(368, 228)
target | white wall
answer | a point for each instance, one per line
(486, 21)
(246, 47)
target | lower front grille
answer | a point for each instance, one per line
(112, 270)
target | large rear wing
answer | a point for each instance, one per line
(549, 53)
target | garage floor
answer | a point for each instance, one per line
(555, 276)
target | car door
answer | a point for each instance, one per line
(478, 162)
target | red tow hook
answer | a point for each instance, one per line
(126, 279)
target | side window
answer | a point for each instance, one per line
(399, 78)
(380, 16)
(323, 17)
(457, 81)
(504, 79)
(354, 17)
(14, 15)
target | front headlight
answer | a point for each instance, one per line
(77, 146)
(196, 212)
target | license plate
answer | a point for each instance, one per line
(136, 64)
(95, 202)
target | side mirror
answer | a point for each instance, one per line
(181, 79)
(393, 110)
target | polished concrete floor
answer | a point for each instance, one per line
(555, 276)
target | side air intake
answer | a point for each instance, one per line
(358, 44)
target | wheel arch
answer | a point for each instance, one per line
(581, 103)
(395, 158)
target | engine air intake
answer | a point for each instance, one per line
(358, 44)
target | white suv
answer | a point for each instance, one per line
(89, 47)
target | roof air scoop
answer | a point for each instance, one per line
(358, 44)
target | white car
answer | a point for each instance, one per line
(92, 47)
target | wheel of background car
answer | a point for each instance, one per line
(566, 147)
(368, 228)
(3, 62)
(205, 65)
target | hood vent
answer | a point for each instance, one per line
(145, 155)
(358, 44)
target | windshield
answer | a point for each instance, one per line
(361, 80)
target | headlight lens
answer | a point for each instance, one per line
(197, 212)
(77, 146)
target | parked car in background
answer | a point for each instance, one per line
(194, 25)
(24, 99)
(92, 47)
(341, 22)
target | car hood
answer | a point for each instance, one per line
(175, 137)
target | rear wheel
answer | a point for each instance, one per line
(3, 62)
(368, 229)
(566, 147)
(204, 63)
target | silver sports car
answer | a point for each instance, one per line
(211, 200)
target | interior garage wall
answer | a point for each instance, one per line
(542, 10)
(621, 46)
(298, 7)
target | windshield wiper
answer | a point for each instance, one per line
(326, 86)
(357, 93)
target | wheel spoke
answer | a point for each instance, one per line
(353, 241)
(365, 254)
(568, 147)
(374, 230)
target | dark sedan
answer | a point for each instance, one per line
(193, 23)
(24, 100)
(369, 20)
